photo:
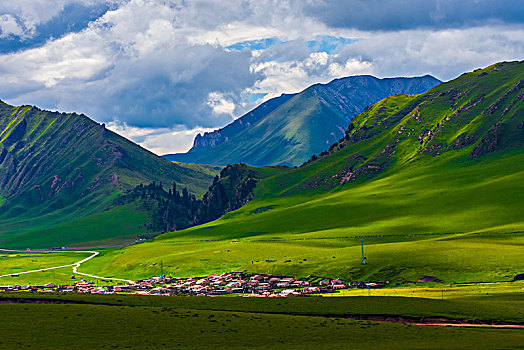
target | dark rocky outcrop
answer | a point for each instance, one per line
(489, 142)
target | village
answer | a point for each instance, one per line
(236, 283)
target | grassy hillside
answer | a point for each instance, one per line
(57, 168)
(289, 129)
(208, 169)
(433, 183)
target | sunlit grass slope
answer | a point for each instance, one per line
(446, 203)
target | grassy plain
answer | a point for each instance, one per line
(19, 262)
(13, 263)
(159, 322)
(508, 307)
(504, 290)
(60, 276)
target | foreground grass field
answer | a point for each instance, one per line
(65, 326)
(159, 322)
(504, 290)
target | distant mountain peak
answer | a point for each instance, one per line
(287, 130)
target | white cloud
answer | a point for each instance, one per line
(159, 140)
(9, 26)
(31, 13)
(220, 104)
(351, 67)
(59, 60)
(294, 76)
(445, 53)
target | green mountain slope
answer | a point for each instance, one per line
(289, 129)
(432, 182)
(57, 167)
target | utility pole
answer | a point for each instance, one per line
(362, 246)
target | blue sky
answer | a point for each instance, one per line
(321, 43)
(159, 72)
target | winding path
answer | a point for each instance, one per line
(74, 265)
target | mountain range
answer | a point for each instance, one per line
(64, 179)
(287, 130)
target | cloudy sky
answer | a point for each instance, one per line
(160, 71)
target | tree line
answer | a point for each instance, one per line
(171, 209)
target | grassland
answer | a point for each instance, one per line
(472, 291)
(60, 276)
(65, 326)
(13, 263)
(212, 170)
(20, 262)
(129, 321)
(506, 306)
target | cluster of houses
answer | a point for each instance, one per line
(248, 285)
(78, 287)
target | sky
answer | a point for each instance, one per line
(161, 71)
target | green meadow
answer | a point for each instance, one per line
(60, 276)
(189, 322)
(66, 326)
(506, 305)
(472, 291)
(20, 262)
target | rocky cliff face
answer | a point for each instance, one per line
(215, 138)
(351, 95)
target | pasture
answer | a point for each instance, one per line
(157, 322)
